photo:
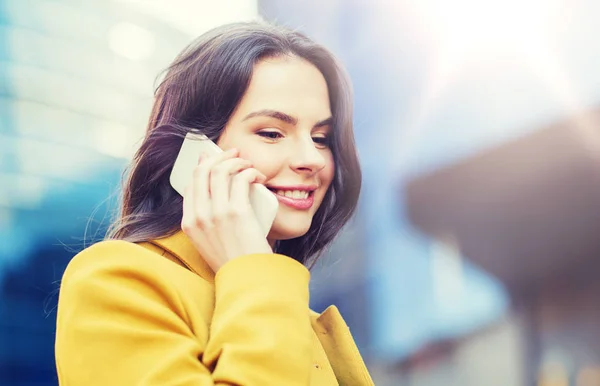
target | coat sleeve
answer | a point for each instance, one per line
(121, 321)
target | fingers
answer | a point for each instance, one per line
(240, 187)
(199, 234)
(200, 189)
(220, 177)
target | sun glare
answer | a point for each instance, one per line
(484, 35)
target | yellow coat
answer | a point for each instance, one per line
(155, 314)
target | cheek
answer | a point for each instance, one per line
(264, 162)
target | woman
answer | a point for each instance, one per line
(188, 291)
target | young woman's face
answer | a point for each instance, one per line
(282, 125)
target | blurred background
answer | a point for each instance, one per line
(473, 259)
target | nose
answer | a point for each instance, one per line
(307, 158)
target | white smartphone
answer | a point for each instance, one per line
(263, 202)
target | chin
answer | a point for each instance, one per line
(289, 227)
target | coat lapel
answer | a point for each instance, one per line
(340, 348)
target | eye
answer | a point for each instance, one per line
(271, 135)
(321, 141)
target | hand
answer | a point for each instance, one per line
(217, 215)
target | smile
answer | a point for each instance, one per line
(295, 194)
(299, 198)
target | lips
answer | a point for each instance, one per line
(299, 198)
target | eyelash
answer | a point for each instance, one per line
(323, 141)
(274, 135)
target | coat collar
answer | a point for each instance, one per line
(182, 249)
(331, 329)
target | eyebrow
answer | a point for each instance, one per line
(285, 118)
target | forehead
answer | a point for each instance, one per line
(288, 84)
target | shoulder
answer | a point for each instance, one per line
(122, 263)
(112, 248)
(126, 282)
(117, 274)
(113, 254)
(113, 260)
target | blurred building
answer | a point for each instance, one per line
(528, 212)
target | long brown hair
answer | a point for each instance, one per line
(200, 91)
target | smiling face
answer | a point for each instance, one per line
(282, 125)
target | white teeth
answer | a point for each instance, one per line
(295, 194)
